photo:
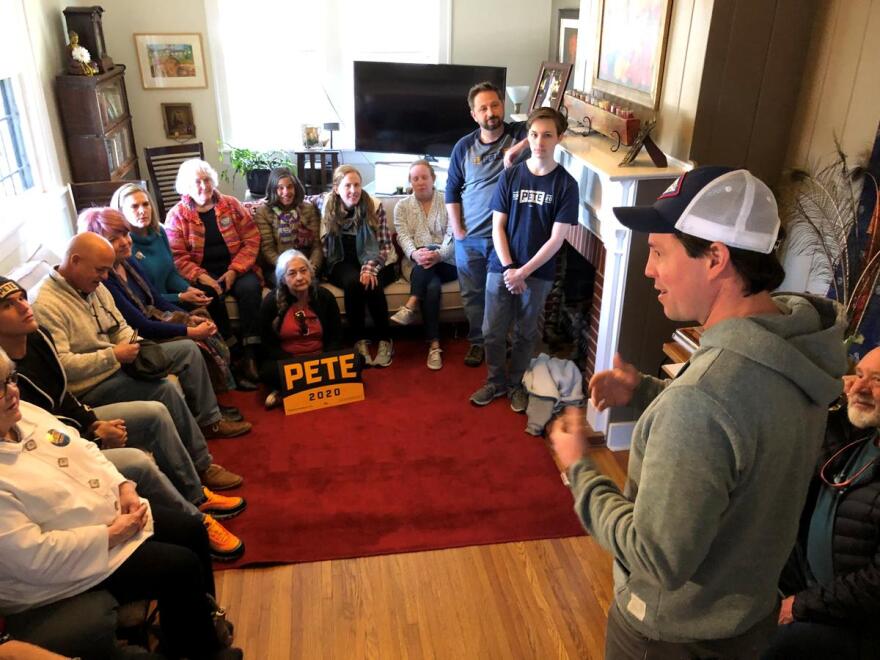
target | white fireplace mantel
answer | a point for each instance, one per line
(604, 184)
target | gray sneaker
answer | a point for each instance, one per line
(362, 348)
(486, 395)
(404, 316)
(384, 354)
(519, 399)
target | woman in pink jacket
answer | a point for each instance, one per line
(215, 244)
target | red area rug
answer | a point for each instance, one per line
(413, 467)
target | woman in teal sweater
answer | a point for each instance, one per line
(151, 249)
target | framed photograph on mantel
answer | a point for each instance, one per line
(631, 49)
(550, 85)
(171, 61)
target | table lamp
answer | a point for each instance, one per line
(331, 126)
(517, 94)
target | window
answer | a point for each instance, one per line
(282, 65)
(15, 169)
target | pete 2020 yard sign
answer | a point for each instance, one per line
(320, 381)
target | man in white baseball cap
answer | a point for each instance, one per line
(721, 456)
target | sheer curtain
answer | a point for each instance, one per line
(280, 65)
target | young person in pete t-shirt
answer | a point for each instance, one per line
(532, 208)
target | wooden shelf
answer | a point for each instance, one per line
(676, 352)
(602, 121)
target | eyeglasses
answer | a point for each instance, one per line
(300, 317)
(11, 379)
(837, 481)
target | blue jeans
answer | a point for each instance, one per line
(189, 366)
(151, 428)
(522, 311)
(471, 260)
(137, 466)
(425, 284)
(121, 387)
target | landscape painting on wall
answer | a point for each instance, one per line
(170, 60)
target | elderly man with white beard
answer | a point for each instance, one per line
(832, 581)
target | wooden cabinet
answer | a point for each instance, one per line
(97, 126)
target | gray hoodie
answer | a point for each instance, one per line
(718, 472)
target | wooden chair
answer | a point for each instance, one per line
(315, 169)
(97, 193)
(162, 164)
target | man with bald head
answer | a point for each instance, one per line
(93, 341)
(832, 581)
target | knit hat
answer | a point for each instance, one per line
(8, 287)
(713, 203)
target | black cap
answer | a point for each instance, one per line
(9, 287)
(661, 216)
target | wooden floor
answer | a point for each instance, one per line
(536, 599)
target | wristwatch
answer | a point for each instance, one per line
(512, 264)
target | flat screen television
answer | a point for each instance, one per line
(415, 108)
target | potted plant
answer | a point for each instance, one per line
(254, 165)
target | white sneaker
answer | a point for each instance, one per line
(383, 354)
(362, 348)
(404, 316)
(435, 361)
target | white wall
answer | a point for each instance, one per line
(511, 33)
(48, 39)
(122, 18)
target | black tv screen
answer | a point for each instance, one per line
(415, 108)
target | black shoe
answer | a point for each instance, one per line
(244, 385)
(474, 357)
(249, 370)
(231, 413)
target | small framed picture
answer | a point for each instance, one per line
(550, 85)
(178, 121)
(171, 61)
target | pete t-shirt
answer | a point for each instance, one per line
(532, 204)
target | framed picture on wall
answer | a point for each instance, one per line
(171, 61)
(631, 49)
(178, 121)
(568, 36)
(550, 85)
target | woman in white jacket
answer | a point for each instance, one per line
(70, 522)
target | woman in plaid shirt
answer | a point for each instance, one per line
(215, 244)
(358, 258)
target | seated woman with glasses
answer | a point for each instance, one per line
(145, 309)
(297, 318)
(70, 522)
(286, 222)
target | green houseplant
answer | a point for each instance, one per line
(253, 165)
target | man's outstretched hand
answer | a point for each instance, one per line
(614, 387)
(568, 437)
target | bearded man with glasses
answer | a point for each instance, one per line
(832, 580)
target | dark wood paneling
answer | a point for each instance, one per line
(751, 77)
